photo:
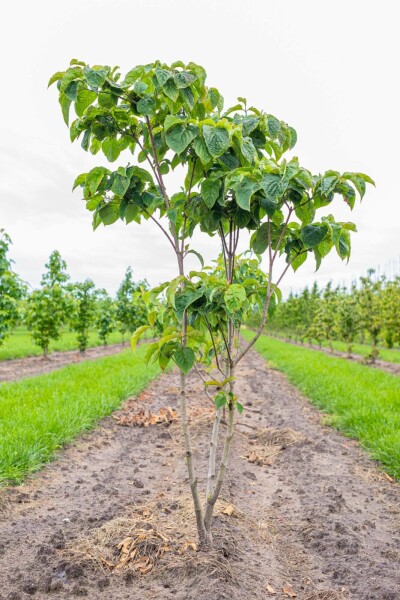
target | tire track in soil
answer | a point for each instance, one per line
(321, 516)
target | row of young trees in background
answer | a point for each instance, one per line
(368, 312)
(58, 303)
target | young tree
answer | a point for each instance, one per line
(370, 310)
(84, 311)
(130, 309)
(347, 322)
(390, 300)
(48, 308)
(234, 179)
(105, 319)
(12, 289)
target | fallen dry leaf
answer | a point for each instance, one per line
(145, 418)
(228, 510)
(270, 589)
(289, 591)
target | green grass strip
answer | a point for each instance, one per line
(40, 414)
(362, 402)
(20, 343)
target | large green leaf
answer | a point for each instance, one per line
(201, 150)
(217, 139)
(111, 148)
(146, 106)
(183, 79)
(234, 297)
(244, 189)
(179, 137)
(137, 334)
(95, 78)
(210, 190)
(185, 359)
(259, 240)
(84, 99)
(120, 185)
(312, 235)
(185, 299)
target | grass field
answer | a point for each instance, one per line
(20, 343)
(363, 403)
(40, 414)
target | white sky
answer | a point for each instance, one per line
(330, 69)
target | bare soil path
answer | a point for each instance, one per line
(305, 513)
(18, 368)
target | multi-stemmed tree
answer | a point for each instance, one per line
(234, 179)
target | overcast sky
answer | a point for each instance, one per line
(330, 69)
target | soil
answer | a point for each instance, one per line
(305, 513)
(18, 368)
(393, 368)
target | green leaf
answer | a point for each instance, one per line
(120, 185)
(137, 334)
(244, 189)
(220, 400)
(65, 104)
(108, 214)
(171, 90)
(248, 150)
(183, 79)
(217, 139)
(239, 407)
(199, 256)
(210, 190)
(343, 244)
(162, 75)
(80, 180)
(55, 77)
(95, 78)
(185, 299)
(187, 97)
(201, 150)
(259, 241)
(172, 288)
(179, 137)
(269, 205)
(234, 297)
(170, 121)
(271, 184)
(312, 235)
(94, 178)
(86, 139)
(111, 149)
(299, 260)
(146, 106)
(185, 359)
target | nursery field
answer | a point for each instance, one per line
(291, 508)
